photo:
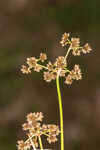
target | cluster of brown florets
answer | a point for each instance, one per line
(59, 67)
(34, 129)
(32, 62)
(74, 74)
(74, 44)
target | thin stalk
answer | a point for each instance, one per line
(34, 148)
(43, 66)
(40, 142)
(61, 112)
(67, 53)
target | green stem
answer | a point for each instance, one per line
(61, 112)
(40, 142)
(43, 66)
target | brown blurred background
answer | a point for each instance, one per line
(28, 27)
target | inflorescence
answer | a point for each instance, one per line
(34, 130)
(60, 66)
(51, 71)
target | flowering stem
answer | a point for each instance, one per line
(61, 112)
(40, 142)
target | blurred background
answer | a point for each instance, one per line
(28, 27)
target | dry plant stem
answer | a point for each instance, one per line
(40, 142)
(61, 112)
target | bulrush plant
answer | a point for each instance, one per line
(51, 71)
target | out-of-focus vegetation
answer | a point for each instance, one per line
(26, 29)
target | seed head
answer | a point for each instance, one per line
(48, 76)
(64, 40)
(52, 127)
(75, 42)
(68, 80)
(60, 62)
(37, 68)
(77, 71)
(33, 117)
(76, 52)
(43, 57)
(52, 139)
(62, 73)
(25, 69)
(86, 48)
(32, 61)
(50, 66)
(23, 145)
(74, 74)
(44, 127)
(26, 126)
(53, 132)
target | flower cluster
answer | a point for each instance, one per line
(60, 66)
(74, 74)
(35, 130)
(32, 62)
(74, 44)
(64, 41)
